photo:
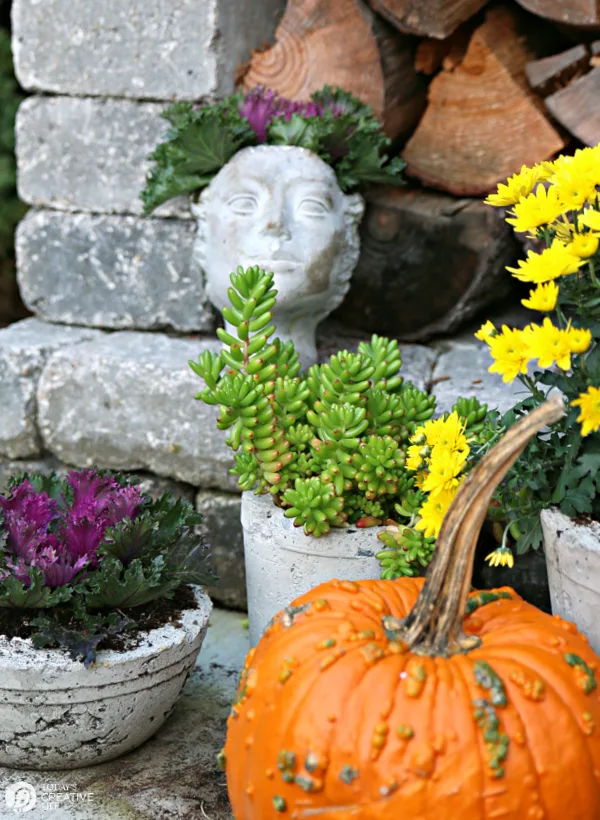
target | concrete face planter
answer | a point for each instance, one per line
(281, 208)
(56, 714)
(573, 558)
(283, 563)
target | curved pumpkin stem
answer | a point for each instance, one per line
(434, 627)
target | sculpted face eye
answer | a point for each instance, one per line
(313, 208)
(243, 204)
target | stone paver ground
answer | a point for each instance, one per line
(174, 775)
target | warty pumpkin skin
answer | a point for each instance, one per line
(342, 713)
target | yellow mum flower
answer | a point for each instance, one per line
(542, 298)
(583, 245)
(510, 353)
(574, 187)
(590, 218)
(584, 164)
(578, 339)
(486, 330)
(444, 468)
(539, 208)
(446, 432)
(433, 511)
(546, 266)
(501, 557)
(548, 344)
(415, 457)
(518, 186)
(589, 404)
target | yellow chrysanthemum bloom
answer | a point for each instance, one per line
(446, 432)
(548, 344)
(486, 330)
(583, 245)
(574, 187)
(444, 468)
(542, 298)
(432, 512)
(589, 405)
(501, 557)
(510, 353)
(546, 266)
(519, 185)
(584, 164)
(590, 218)
(539, 208)
(414, 458)
(578, 339)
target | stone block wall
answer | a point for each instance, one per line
(100, 376)
(89, 264)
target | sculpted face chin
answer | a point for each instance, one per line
(282, 209)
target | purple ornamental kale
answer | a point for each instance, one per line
(61, 537)
(261, 106)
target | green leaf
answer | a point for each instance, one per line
(116, 586)
(80, 643)
(200, 142)
(297, 131)
(14, 593)
(531, 534)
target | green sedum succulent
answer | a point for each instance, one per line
(328, 444)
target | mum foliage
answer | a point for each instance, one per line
(86, 546)
(331, 444)
(333, 124)
(557, 204)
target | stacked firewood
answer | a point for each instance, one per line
(468, 91)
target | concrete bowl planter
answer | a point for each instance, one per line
(56, 714)
(573, 558)
(283, 563)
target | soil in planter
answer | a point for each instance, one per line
(16, 623)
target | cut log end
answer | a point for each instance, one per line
(580, 13)
(577, 107)
(482, 122)
(344, 44)
(427, 18)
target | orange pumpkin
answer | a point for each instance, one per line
(382, 700)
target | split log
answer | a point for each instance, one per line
(482, 122)
(427, 18)
(577, 107)
(428, 263)
(433, 54)
(549, 74)
(343, 43)
(584, 13)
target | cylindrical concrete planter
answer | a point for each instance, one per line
(56, 714)
(283, 563)
(573, 558)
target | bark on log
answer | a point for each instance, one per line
(584, 13)
(428, 18)
(549, 74)
(482, 122)
(428, 263)
(343, 43)
(577, 107)
(432, 54)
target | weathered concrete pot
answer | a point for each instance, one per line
(56, 714)
(283, 563)
(573, 558)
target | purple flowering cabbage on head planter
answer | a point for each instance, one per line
(93, 543)
(335, 125)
